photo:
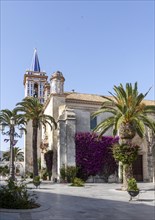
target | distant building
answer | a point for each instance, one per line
(72, 111)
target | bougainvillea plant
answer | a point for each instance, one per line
(94, 155)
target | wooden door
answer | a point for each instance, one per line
(138, 168)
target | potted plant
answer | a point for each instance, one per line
(133, 189)
(36, 181)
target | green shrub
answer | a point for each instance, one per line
(36, 181)
(63, 173)
(77, 182)
(44, 174)
(71, 172)
(36, 178)
(15, 196)
(132, 185)
(126, 153)
(68, 173)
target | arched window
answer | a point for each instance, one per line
(35, 94)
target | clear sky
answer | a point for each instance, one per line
(95, 44)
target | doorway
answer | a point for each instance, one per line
(138, 168)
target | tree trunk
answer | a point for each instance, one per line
(34, 149)
(127, 169)
(127, 174)
(153, 163)
(120, 172)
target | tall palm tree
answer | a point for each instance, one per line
(18, 155)
(33, 110)
(6, 117)
(129, 115)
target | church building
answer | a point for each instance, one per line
(72, 112)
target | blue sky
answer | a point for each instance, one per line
(95, 44)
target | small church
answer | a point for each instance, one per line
(72, 112)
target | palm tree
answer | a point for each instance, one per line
(18, 155)
(6, 117)
(33, 110)
(129, 115)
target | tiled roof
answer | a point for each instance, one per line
(94, 98)
(84, 98)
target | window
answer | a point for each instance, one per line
(93, 123)
(35, 94)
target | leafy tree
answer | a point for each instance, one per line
(129, 115)
(33, 110)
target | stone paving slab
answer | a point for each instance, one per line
(92, 202)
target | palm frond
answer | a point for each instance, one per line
(104, 125)
(127, 107)
(107, 110)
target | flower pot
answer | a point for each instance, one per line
(133, 193)
(36, 183)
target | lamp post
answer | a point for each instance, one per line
(12, 131)
(12, 134)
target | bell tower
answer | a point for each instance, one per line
(35, 80)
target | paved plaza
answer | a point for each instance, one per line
(92, 202)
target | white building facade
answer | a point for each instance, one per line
(72, 111)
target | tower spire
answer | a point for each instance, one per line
(35, 66)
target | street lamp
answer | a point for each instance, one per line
(12, 134)
(12, 131)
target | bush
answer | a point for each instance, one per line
(71, 172)
(44, 174)
(16, 196)
(77, 182)
(132, 185)
(63, 173)
(126, 153)
(36, 181)
(68, 173)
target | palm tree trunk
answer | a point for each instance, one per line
(34, 149)
(127, 173)
(120, 172)
(127, 169)
(153, 165)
